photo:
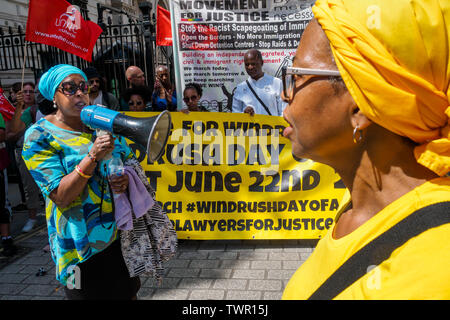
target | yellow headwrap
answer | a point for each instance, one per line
(394, 58)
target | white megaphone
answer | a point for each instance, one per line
(149, 133)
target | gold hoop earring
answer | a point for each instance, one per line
(357, 135)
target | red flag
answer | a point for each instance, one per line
(163, 27)
(6, 108)
(59, 24)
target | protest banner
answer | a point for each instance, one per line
(232, 176)
(210, 39)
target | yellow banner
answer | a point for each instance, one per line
(233, 176)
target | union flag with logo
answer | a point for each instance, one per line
(59, 24)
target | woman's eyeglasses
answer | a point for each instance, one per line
(70, 88)
(28, 91)
(288, 74)
(191, 98)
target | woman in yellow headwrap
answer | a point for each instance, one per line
(376, 108)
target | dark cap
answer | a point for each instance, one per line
(91, 72)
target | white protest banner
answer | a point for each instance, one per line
(211, 38)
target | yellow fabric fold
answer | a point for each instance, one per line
(394, 59)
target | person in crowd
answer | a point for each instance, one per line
(24, 116)
(375, 108)
(9, 249)
(67, 161)
(136, 79)
(28, 94)
(260, 93)
(164, 94)
(97, 94)
(45, 107)
(11, 147)
(137, 98)
(191, 97)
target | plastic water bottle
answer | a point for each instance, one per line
(115, 168)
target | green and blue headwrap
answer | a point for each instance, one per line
(54, 76)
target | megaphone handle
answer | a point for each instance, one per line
(100, 133)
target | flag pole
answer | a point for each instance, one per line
(23, 63)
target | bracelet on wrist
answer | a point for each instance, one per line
(92, 158)
(81, 173)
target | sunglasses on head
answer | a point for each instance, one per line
(191, 98)
(70, 88)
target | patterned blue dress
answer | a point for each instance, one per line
(79, 231)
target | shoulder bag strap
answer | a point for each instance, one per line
(380, 248)
(260, 101)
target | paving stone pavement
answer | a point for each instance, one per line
(201, 270)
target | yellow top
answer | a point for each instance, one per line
(419, 269)
(393, 57)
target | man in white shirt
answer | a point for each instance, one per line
(267, 88)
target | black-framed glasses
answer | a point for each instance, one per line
(70, 88)
(288, 79)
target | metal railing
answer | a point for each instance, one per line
(117, 48)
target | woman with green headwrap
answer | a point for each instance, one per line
(64, 157)
(368, 95)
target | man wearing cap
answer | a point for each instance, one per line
(96, 94)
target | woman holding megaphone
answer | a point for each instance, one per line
(63, 156)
